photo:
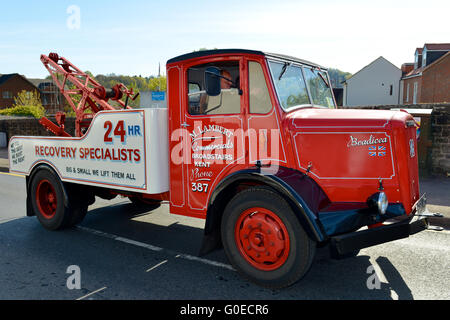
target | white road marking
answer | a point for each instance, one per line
(93, 292)
(206, 261)
(158, 249)
(157, 265)
(139, 244)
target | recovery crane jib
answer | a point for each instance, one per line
(85, 95)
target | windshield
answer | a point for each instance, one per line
(292, 89)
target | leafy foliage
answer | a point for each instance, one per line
(137, 83)
(25, 111)
(337, 77)
(26, 104)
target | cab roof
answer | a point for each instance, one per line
(204, 53)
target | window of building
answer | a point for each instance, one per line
(227, 102)
(424, 57)
(258, 92)
(415, 93)
(391, 89)
(407, 93)
(7, 95)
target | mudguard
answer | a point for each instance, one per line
(302, 193)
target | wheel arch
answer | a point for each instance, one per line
(240, 180)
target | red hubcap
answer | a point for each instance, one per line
(46, 199)
(262, 239)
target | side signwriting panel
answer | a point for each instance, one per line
(113, 153)
(340, 157)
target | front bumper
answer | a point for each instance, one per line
(345, 244)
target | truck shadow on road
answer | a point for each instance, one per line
(355, 278)
(352, 278)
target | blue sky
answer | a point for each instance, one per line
(132, 37)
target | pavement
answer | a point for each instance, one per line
(437, 190)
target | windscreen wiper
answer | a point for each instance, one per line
(323, 78)
(283, 70)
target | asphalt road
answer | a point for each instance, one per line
(124, 252)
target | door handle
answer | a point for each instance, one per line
(185, 125)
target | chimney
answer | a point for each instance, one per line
(407, 68)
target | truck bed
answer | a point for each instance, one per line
(123, 149)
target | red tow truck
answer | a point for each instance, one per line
(252, 142)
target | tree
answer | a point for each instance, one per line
(27, 98)
(26, 103)
(337, 77)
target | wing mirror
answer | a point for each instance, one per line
(212, 81)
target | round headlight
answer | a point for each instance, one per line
(382, 202)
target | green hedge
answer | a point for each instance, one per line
(26, 111)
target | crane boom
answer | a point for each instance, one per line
(85, 95)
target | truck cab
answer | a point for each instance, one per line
(254, 143)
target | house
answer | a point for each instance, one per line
(51, 97)
(10, 86)
(338, 95)
(428, 79)
(378, 83)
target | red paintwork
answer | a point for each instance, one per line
(46, 199)
(376, 225)
(306, 136)
(321, 137)
(262, 239)
(55, 129)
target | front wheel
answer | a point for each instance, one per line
(264, 239)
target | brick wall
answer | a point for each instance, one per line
(435, 81)
(408, 96)
(28, 126)
(440, 124)
(439, 162)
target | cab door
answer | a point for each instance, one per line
(265, 137)
(214, 129)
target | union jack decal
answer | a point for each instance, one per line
(375, 151)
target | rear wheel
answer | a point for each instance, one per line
(264, 239)
(51, 205)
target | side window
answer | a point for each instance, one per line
(259, 94)
(229, 99)
(194, 95)
(319, 88)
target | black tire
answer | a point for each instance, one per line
(78, 214)
(78, 203)
(298, 259)
(56, 213)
